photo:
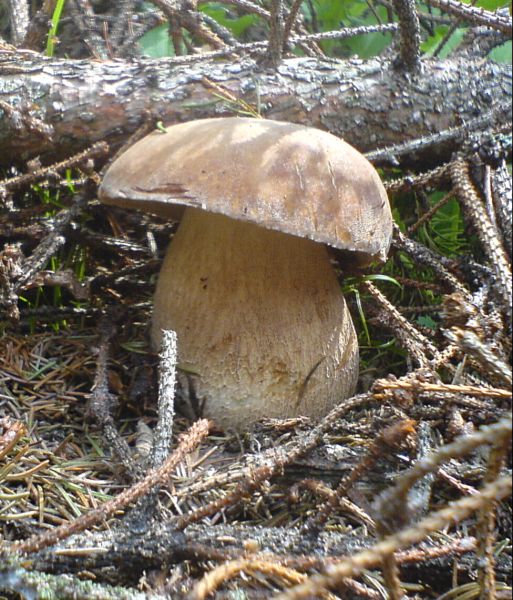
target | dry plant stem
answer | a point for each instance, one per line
(477, 16)
(476, 211)
(215, 578)
(187, 443)
(272, 463)
(386, 442)
(409, 28)
(353, 566)
(166, 399)
(97, 150)
(381, 386)
(486, 527)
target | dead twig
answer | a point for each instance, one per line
(353, 565)
(477, 16)
(166, 399)
(101, 401)
(386, 442)
(271, 463)
(474, 208)
(486, 525)
(409, 28)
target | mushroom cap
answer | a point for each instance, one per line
(282, 176)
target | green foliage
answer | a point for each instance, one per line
(502, 54)
(237, 25)
(444, 40)
(156, 43)
(330, 15)
(444, 232)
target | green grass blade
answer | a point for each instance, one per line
(52, 34)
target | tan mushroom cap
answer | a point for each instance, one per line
(281, 176)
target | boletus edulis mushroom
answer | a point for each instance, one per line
(247, 282)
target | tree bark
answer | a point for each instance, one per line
(70, 104)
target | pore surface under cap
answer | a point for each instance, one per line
(281, 176)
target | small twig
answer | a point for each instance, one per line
(409, 28)
(101, 401)
(486, 526)
(411, 182)
(417, 344)
(382, 386)
(85, 20)
(477, 16)
(187, 443)
(503, 202)
(261, 47)
(181, 14)
(19, 13)
(166, 407)
(276, 33)
(499, 115)
(432, 211)
(49, 245)
(470, 343)
(247, 6)
(474, 208)
(427, 257)
(290, 22)
(393, 504)
(124, 12)
(215, 578)
(97, 150)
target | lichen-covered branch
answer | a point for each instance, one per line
(60, 107)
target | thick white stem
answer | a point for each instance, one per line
(260, 320)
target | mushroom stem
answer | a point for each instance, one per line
(260, 320)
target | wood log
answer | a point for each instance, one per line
(52, 108)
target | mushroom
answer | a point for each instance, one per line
(247, 282)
